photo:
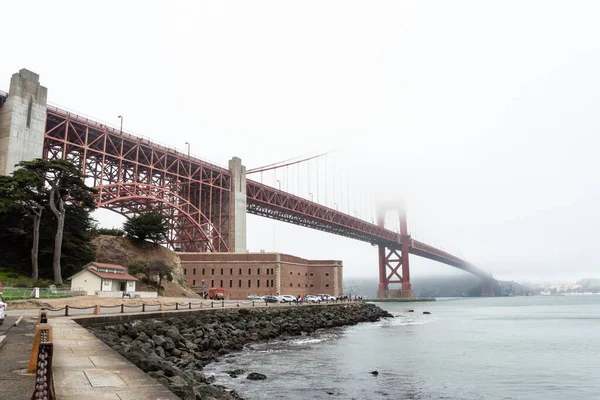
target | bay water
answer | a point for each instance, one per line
(542, 347)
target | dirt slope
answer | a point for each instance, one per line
(124, 251)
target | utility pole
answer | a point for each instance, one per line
(121, 118)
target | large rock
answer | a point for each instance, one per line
(255, 376)
(158, 340)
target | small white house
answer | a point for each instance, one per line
(99, 277)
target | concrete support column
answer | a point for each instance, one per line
(338, 280)
(22, 121)
(278, 274)
(237, 206)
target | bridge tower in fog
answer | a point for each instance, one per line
(393, 257)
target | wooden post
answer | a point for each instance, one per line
(144, 307)
(67, 310)
(44, 330)
(122, 308)
(42, 317)
(96, 310)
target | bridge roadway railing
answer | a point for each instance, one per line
(269, 202)
(95, 123)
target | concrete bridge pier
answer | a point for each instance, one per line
(237, 207)
(22, 121)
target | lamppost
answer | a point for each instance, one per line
(336, 206)
(121, 118)
(188, 146)
(311, 196)
(279, 183)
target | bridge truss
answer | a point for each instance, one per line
(133, 174)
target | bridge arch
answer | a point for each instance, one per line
(189, 229)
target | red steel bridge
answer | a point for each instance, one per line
(133, 174)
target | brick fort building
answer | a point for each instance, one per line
(243, 274)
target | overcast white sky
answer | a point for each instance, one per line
(483, 116)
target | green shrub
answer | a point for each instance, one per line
(109, 231)
(41, 283)
(22, 283)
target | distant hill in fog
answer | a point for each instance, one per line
(432, 286)
(589, 284)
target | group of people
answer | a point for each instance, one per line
(342, 299)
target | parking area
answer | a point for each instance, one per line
(15, 382)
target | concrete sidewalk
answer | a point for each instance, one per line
(86, 368)
(15, 382)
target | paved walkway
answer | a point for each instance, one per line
(86, 368)
(15, 382)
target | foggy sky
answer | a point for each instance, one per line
(482, 116)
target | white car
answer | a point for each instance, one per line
(254, 297)
(2, 311)
(286, 298)
(312, 299)
(326, 297)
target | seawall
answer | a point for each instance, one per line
(174, 350)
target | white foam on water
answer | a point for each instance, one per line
(307, 341)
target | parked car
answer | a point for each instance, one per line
(271, 299)
(2, 311)
(254, 297)
(286, 298)
(326, 297)
(312, 299)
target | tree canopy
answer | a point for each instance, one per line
(36, 186)
(151, 225)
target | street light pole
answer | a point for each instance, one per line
(311, 196)
(279, 182)
(188, 146)
(121, 118)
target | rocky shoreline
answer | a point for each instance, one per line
(174, 350)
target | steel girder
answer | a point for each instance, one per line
(133, 174)
(269, 202)
(272, 203)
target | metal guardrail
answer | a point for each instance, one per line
(44, 384)
(97, 309)
(40, 360)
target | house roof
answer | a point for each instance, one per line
(106, 275)
(109, 275)
(104, 265)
